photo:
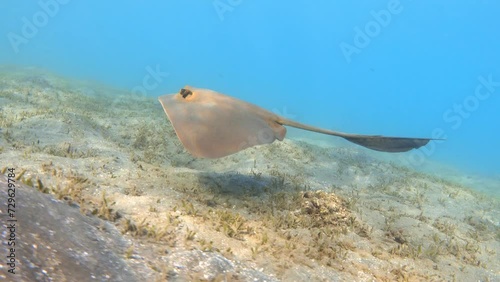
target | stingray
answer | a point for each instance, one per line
(213, 125)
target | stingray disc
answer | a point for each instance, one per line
(213, 125)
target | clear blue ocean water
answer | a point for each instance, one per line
(409, 68)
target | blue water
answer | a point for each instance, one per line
(375, 67)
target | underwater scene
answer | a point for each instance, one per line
(234, 140)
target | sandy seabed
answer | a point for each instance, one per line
(295, 210)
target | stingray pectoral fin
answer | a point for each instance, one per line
(388, 144)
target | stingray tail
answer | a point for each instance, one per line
(374, 142)
(388, 144)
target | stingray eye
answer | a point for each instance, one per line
(185, 93)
